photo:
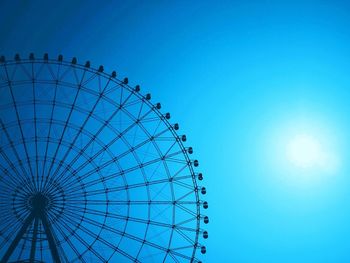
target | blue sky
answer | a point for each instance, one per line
(241, 78)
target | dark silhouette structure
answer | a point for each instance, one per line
(91, 170)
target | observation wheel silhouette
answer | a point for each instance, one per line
(91, 170)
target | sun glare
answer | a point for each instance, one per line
(304, 151)
(301, 150)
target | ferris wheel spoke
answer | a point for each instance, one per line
(10, 87)
(113, 175)
(89, 211)
(145, 202)
(85, 121)
(120, 134)
(83, 242)
(70, 244)
(12, 178)
(7, 179)
(186, 237)
(66, 124)
(50, 126)
(112, 161)
(114, 140)
(184, 186)
(110, 245)
(103, 240)
(35, 129)
(125, 187)
(167, 173)
(7, 159)
(8, 228)
(186, 247)
(135, 238)
(133, 219)
(62, 164)
(75, 218)
(172, 256)
(185, 209)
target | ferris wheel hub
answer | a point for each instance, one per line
(39, 203)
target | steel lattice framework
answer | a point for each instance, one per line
(91, 170)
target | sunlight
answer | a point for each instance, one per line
(304, 151)
(308, 152)
(311, 147)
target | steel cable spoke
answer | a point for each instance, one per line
(20, 162)
(50, 126)
(65, 127)
(10, 87)
(86, 120)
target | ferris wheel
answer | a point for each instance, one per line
(91, 170)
